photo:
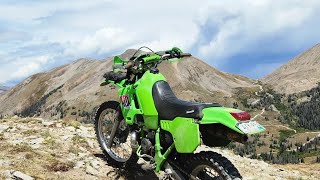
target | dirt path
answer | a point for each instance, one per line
(263, 110)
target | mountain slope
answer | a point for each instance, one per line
(3, 89)
(74, 89)
(299, 74)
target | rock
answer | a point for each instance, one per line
(4, 128)
(59, 125)
(70, 128)
(22, 127)
(22, 176)
(273, 108)
(90, 143)
(47, 123)
(83, 154)
(82, 149)
(90, 170)
(5, 162)
(84, 134)
(66, 137)
(79, 164)
(7, 174)
(36, 141)
(95, 164)
(17, 141)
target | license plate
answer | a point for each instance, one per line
(250, 127)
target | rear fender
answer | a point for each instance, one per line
(220, 115)
(218, 127)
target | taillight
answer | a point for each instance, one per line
(241, 116)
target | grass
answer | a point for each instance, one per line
(312, 153)
(284, 134)
(78, 140)
(58, 166)
(75, 124)
(29, 132)
(1, 137)
(74, 150)
(46, 134)
(21, 148)
(50, 142)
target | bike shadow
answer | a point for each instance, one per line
(137, 171)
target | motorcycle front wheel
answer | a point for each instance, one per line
(113, 135)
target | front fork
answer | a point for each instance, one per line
(113, 131)
(160, 158)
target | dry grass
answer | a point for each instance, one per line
(75, 124)
(29, 132)
(46, 134)
(78, 139)
(60, 166)
(27, 120)
(2, 137)
(21, 148)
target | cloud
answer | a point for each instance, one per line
(226, 34)
(103, 40)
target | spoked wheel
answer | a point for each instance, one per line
(113, 134)
(208, 165)
(205, 172)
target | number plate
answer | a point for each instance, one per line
(250, 127)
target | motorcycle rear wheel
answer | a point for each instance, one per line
(208, 165)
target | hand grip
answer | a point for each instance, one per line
(129, 65)
(185, 55)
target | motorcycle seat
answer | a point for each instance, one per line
(170, 107)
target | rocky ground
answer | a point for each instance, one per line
(32, 148)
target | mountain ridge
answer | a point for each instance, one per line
(75, 86)
(299, 74)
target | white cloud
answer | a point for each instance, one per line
(213, 30)
(103, 40)
(22, 67)
(242, 25)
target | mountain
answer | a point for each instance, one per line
(73, 90)
(3, 89)
(299, 74)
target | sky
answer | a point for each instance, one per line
(251, 38)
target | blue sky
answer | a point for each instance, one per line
(251, 38)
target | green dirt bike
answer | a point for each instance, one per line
(150, 122)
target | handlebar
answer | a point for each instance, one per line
(185, 55)
(164, 55)
(129, 65)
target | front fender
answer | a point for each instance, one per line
(220, 115)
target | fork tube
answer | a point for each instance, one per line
(113, 132)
